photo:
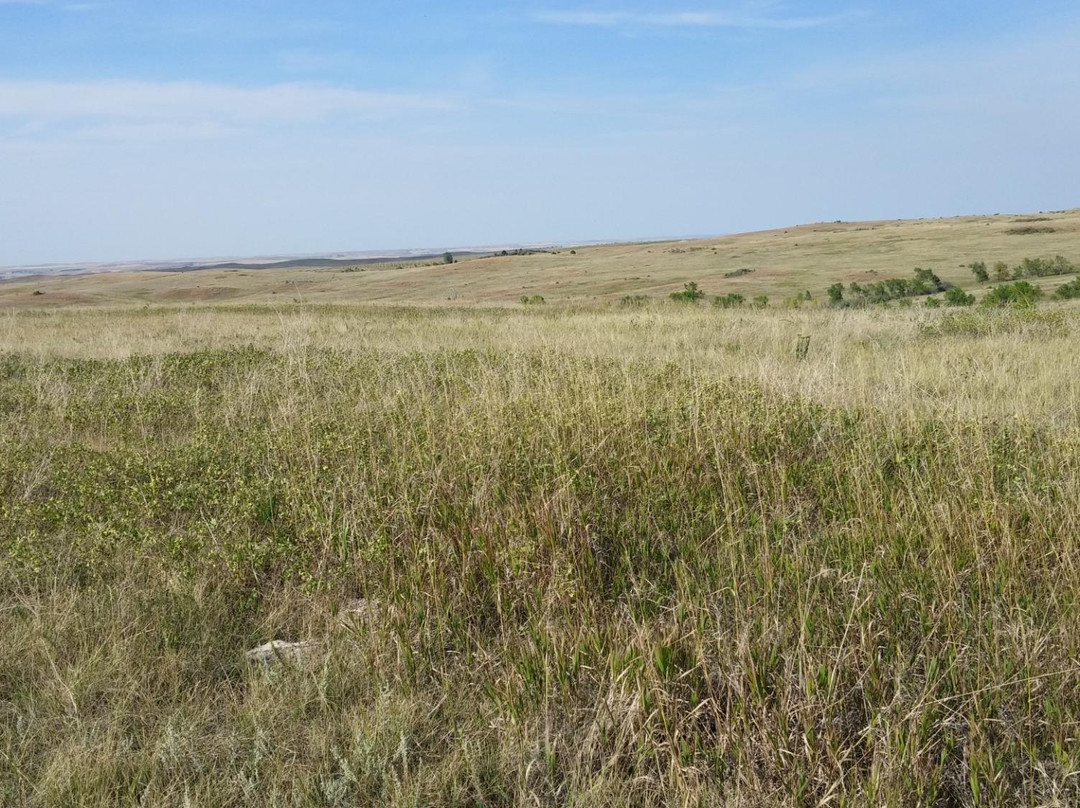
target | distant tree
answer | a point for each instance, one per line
(448, 258)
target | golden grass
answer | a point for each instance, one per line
(786, 261)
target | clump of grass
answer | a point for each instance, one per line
(997, 322)
(738, 273)
(1029, 231)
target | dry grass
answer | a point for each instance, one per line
(597, 557)
(785, 261)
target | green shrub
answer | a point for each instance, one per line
(978, 269)
(690, 293)
(932, 303)
(958, 297)
(925, 282)
(1068, 291)
(729, 301)
(836, 293)
(1018, 293)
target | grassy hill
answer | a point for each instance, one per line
(785, 262)
(567, 555)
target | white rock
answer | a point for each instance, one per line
(279, 650)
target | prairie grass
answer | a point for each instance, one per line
(549, 557)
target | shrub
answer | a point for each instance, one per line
(1001, 271)
(836, 293)
(1068, 291)
(690, 293)
(958, 297)
(729, 301)
(925, 282)
(448, 258)
(978, 269)
(1018, 293)
(738, 273)
(1044, 267)
(761, 302)
(932, 303)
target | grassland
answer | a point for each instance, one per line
(786, 262)
(565, 555)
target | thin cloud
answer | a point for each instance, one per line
(198, 101)
(683, 19)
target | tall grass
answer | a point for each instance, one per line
(538, 570)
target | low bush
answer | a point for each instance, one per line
(925, 282)
(1068, 291)
(690, 293)
(1018, 293)
(958, 297)
(729, 301)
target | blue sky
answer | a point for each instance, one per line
(133, 130)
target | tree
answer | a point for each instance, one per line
(448, 258)
(836, 293)
(978, 269)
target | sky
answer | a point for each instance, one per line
(198, 128)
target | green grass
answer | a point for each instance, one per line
(585, 579)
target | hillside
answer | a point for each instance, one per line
(785, 262)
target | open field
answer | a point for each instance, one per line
(562, 556)
(785, 261)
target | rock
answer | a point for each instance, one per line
(279, 650)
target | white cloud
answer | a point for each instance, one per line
(683, 19)
(143, 101)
